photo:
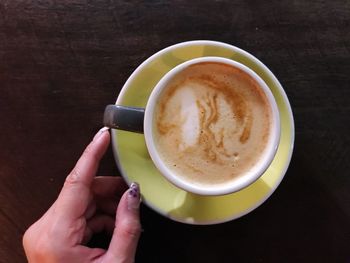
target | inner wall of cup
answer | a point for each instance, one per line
(227, 187)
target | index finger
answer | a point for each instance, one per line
(76, 192)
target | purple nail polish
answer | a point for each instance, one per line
(134, 188)
(134, 197)
(99, 133)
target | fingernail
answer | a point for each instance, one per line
(99, 133)
(133, 197)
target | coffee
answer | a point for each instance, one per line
(212, 123)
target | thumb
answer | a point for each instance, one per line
(127, 227)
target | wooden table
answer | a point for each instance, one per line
(62, 61)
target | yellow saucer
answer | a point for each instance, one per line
(136, 165)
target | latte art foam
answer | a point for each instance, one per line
(212, 123)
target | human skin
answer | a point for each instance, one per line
(86, 205)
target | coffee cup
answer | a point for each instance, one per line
(211, 125)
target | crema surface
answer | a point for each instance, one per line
(212, 123)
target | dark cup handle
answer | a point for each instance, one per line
(124, 118)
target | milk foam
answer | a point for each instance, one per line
(190, 115)
(212, 124)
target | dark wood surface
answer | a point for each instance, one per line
(62, 61)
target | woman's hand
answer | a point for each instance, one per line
(87, 205)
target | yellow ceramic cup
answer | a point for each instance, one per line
(135, 164)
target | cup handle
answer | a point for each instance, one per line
(124, 118)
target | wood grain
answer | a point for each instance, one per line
(62, 61)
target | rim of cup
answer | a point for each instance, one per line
(228, 187)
